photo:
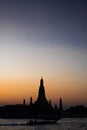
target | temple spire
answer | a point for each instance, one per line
(41, 93)
(41, 82)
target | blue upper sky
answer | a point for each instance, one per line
(47, 21)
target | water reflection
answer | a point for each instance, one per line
(63, 124)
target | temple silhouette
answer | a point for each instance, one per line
(41, 108)
(41, 100)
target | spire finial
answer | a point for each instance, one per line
(41, 81)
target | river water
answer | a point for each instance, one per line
(63, 124)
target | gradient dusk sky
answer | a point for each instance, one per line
(43, 38)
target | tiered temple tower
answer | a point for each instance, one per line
(41, 107)
(41, 100)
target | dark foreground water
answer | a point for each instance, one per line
(63, 124)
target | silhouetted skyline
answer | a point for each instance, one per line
(41, 108)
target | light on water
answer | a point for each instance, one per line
(63, 124)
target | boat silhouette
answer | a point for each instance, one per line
(41, 122)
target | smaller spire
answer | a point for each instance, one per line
(30, 100)
(61, 105)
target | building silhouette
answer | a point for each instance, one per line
(41, 108)
(60, 106)
(41, 100)
(31, 101)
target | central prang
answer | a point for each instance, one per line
(41, 100)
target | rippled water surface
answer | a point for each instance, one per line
(63, 124)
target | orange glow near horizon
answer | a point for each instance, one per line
(14, 91)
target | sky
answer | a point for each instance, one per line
(45, 38)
